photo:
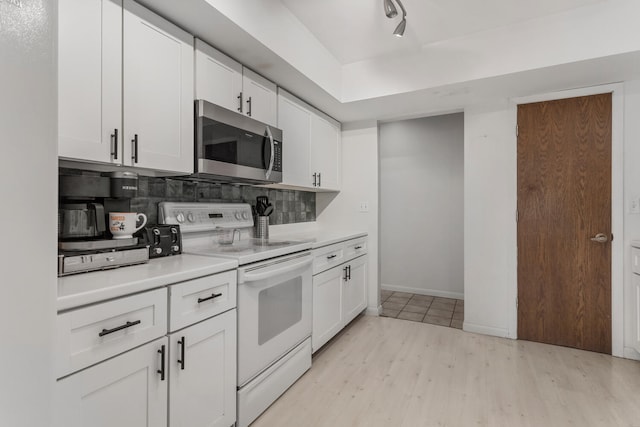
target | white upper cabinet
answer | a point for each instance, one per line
(124, 71)
(225, 82)
(90, 79)
(311, 145)
(260, 97)
(218, 77)
(158, 92)
(295, 121)
(325, 152)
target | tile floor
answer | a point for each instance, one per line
(423, 308)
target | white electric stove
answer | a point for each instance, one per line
(274, 297)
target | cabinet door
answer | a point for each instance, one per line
(218, 77)
(295, 122)
(124, 391)
(90, 79)
(327, 306)
(260, 99)
(325, 152)
(355, 289)
(635, 279)
(202, 389)
(158, 92)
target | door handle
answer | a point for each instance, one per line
(600, 238)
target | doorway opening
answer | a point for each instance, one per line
(421, 219)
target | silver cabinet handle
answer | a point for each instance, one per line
(249, 110)
(600, 238)
(319, 179)
(240, 99)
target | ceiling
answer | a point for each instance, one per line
(356, 30)
(488, 54)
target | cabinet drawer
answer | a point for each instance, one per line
(199, 299)
(88, 335)
(354, 248)
(327, 257)
(635, 260)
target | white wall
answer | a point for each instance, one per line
(631, 221)
(489, 219)
(359, 184)
(421, 205)
(28, 190)
(490, 227)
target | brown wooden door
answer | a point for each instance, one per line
(564, 200)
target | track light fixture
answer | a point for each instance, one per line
(391, 12)
(390, 9)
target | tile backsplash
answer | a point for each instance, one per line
(290, 206)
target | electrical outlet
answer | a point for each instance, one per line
(364, 206)
(634, 207)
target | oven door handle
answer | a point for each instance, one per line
(273, 148)
(245, 276)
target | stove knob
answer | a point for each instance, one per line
(238, 215)
(191, 217)
(175, 248)
(245, 215)
(157, 251)
(180, 217)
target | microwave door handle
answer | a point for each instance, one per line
(273, 148)
(255, 276)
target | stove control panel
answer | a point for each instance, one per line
(193, 217)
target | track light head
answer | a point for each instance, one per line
(399, 31)
(390, 9)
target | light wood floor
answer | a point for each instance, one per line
(388, 372)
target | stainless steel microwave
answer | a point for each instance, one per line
(236, 148)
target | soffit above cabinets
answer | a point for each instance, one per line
(472, 53)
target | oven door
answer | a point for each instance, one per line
(274, 311)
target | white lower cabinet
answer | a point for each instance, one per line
(128, 390)
(202, 373)
(120, 364)
(354, 289)
(339, 291)
(327, 306)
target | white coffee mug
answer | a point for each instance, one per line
(122, 225)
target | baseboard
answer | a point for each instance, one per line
(631, 353)
(485, 330)
(373, 311)
(422, 291)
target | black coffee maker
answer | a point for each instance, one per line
(86, 200)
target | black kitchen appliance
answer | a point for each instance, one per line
(84, 242)
(162, 240)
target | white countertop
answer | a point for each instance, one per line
(88, 288)
(319, 237)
